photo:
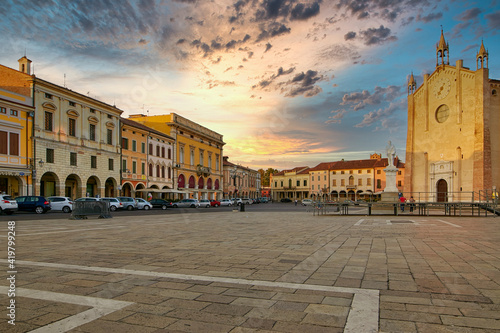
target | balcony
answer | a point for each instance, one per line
(202, 170)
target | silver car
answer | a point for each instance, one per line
(129, 203)
(205, 203)
(7, 204)
(63, 204)
(143, 204)
(193, 203)
(114, 203)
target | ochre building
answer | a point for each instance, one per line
(453, 140)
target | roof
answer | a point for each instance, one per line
(297, 170)
(143, 127)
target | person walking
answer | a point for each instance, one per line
(412, 204)
(402, 199)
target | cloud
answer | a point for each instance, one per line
(429, 18)
(301, 12)
(337, 117)
(273, 29)
(380, 35)
(470, 14)
(374, 116)
(361, 99)
(266, 82)
(350, 35)
(304, 83)
(493, 20)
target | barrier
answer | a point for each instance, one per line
(81, 209)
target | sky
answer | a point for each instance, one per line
(286, 82)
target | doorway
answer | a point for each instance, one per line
(442, 191)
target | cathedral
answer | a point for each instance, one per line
(453, 139)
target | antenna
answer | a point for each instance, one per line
(65, 80)
(25, 52)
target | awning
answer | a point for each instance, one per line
(14, 172)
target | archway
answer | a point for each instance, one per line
(127, 190)
(442, 191)
(191, 182)
(92, 187)
(201, 183)
(109, 187)
(181, 181)
(209, 183)
(72, 186)
(48, 184)
(140, 194)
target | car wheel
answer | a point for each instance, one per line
(112, 208)
(216, 205)
(207, 206)
(175, 206)
(130, 208)
(39, 210)
(66, 209)
(192, 206)
(164, 207)
(146, 207)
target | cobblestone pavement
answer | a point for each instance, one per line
(254, 271)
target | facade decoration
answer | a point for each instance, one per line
(240, 181)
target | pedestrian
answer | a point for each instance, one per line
(402, 199)
(295, 202)
(412, 204)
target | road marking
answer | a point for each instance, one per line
(363, 316)
(57, 232)
(100, 308)
(453, 225)
(359, 222)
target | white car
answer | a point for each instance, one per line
(7, 204)
(63, 204)
(237, 201)
(114, 203)
(247, 201)
(205, 203)
(307, 202)
(143, 204)
(226, 202)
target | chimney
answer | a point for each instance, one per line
(25, 65)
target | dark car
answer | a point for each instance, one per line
(160, 203)
(32, 203)
(286, 200)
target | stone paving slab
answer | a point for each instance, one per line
(266, 272)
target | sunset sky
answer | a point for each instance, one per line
(287, 82)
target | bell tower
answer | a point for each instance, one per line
(25, 65)
(412, 85)
(442, 51)
(482, 57)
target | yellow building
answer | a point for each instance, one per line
(290, 184)
(453, 141)
(198, 155)
(76, 148)
(147, 161)
(16, 125)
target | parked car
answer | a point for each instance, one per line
(247, 201)
(226, 202)
(237, 201)
(286, 200)
(143, 204)
(33, 203)
(63, 204)
(263, 200)
(7, 204)
(129, 203)
(214, 203)
(193, 203)
(160, 203)
(307, 202)
(255, 201)
(205, 203)
(114, 203)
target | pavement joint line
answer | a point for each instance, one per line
(100, 308)
(363, 316)
(56, 232)
(359, 222)
(453, 225)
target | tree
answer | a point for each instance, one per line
(265, 176)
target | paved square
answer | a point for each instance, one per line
(255, 271)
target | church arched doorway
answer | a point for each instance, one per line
(442, 191)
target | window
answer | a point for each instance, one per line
(49, 96)
(342, 182)
(134, 167)
(324, 177)
(192, 156)
(143, 168)
(3, 143)
(72, 159)
(169, 154)
(368, 171)
(379, 183)
(169, 173)
(350, 172)
(312, 178)
(369, 182)
(181, 155)
(3, 110)
(150, 170)
(13, 113)
(275, 184)
(143, 147)
(334, 172)
(162, 172)
(209, 161)
(151, 149)
(93, 162)
(360, 182)
(399, 183)
(298, 182)
(110, 136)
(92, 132)
(92, 110)
(124, 165)
(313, 187)
(399, 172)
(342, 172)
(134, 145)
(72, 127)
(163, 152)
(201, 157)
(281, 183)
(124, 143)
(111, 164)
(14, 144)
(49, 155)
(378, 172)
(305, 182)
(334, 182)
(360, 171)
(48, 121)
(10, 146)
(110, 116)
(72, 103)
(158, 151)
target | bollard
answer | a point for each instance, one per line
(242, 207)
